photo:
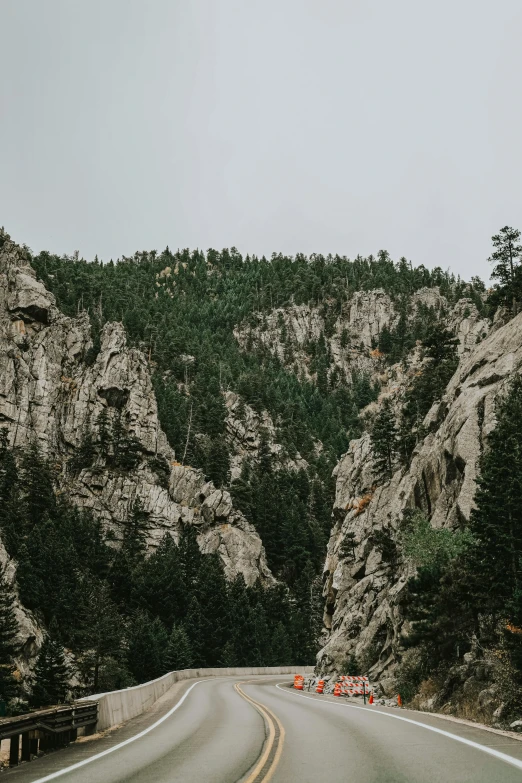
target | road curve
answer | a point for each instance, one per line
(225, 730)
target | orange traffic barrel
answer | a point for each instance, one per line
(298, 682)
(337, 689)
(320, 687)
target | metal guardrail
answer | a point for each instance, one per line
(46, 729)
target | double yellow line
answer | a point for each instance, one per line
(273, 747)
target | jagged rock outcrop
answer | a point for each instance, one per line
(363, 615)
(289, 332)
(468, 325)
(55, 391)
(350, 341)
(245, 427)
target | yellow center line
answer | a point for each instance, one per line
(272, 722)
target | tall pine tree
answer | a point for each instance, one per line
(506, 258)
(8, 646)
(496, 520)
(51, 674)
(179, 653)
(384, 440)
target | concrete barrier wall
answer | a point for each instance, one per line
(118, 706)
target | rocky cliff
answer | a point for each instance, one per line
(350, 338)
(55, 390)
(363, 614)
(245, 430)
(87, 407)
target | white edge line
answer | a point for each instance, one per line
(79, 764)
(492, 752)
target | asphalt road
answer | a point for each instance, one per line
(230, 729)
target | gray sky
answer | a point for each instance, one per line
(274, 125)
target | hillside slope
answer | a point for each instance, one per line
(365, 592)
(54, 392)
(216, 394)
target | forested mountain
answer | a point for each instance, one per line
(110, 547)
(423, 564)
(182, 309)
(179, 428)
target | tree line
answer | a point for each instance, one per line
(181, 309)
(115, 615)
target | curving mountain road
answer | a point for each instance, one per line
(224, 730)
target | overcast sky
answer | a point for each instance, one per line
(273, 125)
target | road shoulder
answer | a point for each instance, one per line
(86, 747)
(508, 742)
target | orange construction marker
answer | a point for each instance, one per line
(298, 682)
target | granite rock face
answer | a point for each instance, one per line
(54, 390)
(362, 595)
(245, 428)
(350, 342)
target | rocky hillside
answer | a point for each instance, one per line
(364, 618)
(246, 429)
(53, 389)
(217, 394)
(350, 341)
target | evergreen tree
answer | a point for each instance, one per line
(100, 632)
(264, 455)
(196, 627)
(8, 469)
(496, 520)
(179, 653)
(347, 548)
(385, 340)
(218, 462)
(126, 449)
(147, 647)
(306, 616)
(36, 481)
(51, 674)
(9, 494)
(280, 647)
(211, 593)
(506, 258)
(260, 636)
(130, 556)
(384, 440)
(161, 584)
(103, 425)
(440, 354)
(8, 645)
(238, 647)
(85, 454)
(228, 657)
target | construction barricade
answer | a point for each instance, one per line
(354, 686)
(298, 682)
